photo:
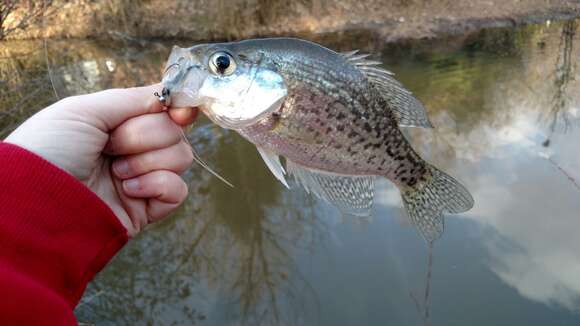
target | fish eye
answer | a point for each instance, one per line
(222, 63)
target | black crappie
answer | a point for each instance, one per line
(334, 117)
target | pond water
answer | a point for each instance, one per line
(505, 104)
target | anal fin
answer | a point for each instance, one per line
(352, 195)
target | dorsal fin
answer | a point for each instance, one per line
(408, 110)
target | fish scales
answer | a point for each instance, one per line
(348, 116)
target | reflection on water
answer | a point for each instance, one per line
(563, 74)
(506, 106)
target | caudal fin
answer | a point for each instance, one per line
(427, 202)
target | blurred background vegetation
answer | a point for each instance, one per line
(228, 19)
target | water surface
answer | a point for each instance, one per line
(506, 106)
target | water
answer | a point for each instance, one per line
(506, 106)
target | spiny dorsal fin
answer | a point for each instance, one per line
(408, 110)
(352, 195)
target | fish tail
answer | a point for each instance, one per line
(427, 201)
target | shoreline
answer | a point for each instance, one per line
(390, 21)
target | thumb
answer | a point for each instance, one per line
(110, 108)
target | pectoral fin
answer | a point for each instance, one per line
(273, 162)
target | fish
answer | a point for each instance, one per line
(329, 120)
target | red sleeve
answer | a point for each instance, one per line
(55, 235)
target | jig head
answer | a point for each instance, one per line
(164, 97)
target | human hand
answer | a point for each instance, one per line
(121, 144)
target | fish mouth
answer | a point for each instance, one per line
(181, 89)
(182, 78)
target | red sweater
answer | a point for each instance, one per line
(55, 235)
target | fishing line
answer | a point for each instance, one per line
(425, 309)
(566, 174)
(199, 161)
(46, 50)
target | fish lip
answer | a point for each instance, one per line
(180, 63)
(170, 66)
(173, 85)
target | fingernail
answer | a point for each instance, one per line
(132, 184)
(121, 167)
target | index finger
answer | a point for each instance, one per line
(110, 108)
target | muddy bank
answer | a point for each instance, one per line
(390, 20)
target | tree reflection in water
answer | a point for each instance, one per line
(564, 72)
(262, 235)
(559, 114)
(237, 247)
